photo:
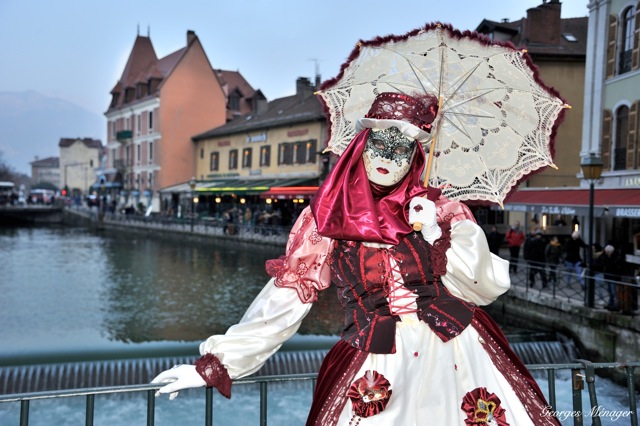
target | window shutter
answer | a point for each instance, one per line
(607, 121)
(632, 137)
(288, 153)
(611, 47)
(635, 56)
(301, 153)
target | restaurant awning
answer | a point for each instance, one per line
(237, 186)
(575, 201)
(290, 192)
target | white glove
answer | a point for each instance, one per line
(423, 211)
(179, 377)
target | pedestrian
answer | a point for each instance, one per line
(553, 257)
(495, 241)
(535, 255)
(415, 344)
(611, 264)
(514, 238)
(573, 258)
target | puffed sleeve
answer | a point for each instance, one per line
(276, 313)
(474, 274)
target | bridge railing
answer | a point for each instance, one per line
(581, 371)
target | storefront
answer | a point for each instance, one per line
(616, 212)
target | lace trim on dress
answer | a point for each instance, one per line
(538, 411)
(304, 266)
(214, 374)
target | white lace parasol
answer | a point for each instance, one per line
(496, 120)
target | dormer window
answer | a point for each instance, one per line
(234, 102)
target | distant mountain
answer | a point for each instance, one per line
(31, 124)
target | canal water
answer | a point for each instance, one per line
(68, 291)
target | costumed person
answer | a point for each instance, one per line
(416, 347)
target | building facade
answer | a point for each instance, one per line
(79, 159)
(46, 172)
(611, 125)
(156, 107)
(558, 48)
(273, 155)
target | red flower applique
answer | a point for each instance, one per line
(369, 394)
(483, 408)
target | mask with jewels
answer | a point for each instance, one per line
(387, 156)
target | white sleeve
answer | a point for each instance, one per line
(273, 317)
(474, 274)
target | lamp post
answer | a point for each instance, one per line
(591, 171)
(192, 184)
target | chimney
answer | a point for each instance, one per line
(543, 23)
(191, 35)
(303, 87)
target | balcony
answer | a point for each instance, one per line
(124, 136)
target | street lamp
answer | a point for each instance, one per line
(591, 171)
(192, 185)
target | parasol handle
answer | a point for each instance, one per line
(418, 226)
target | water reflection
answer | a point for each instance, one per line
(83, 287)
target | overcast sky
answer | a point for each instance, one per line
(76, 50)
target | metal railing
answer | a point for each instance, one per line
(581, 371)
(571, 286)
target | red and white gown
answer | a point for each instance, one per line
(470, 377)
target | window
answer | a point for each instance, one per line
(246, 158)
(150, 121)
(622, 130)
(311, 151)
(138, 156)
(214, 162)
(150, 151)
(113, 157)
(138, 125)
(127, 124)
(626, 41)
(113, 130)
(265, 156)
(127, 155)
(285, 153)
(150, 180)
(201, 153)
(234, 102)
(233, 159)
(302, 152)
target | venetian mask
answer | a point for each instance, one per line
(387, 156)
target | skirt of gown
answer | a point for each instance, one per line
(474, 378)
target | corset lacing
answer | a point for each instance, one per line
(401, 300)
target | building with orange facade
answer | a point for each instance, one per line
(157, 105)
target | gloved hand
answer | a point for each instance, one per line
(423, 211)
(179, 377)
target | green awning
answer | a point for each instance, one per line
(237, 186)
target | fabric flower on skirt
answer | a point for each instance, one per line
(369, 394)
(483, 408)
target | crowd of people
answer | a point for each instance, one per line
(547, 256)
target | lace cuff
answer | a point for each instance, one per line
(214, 374)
